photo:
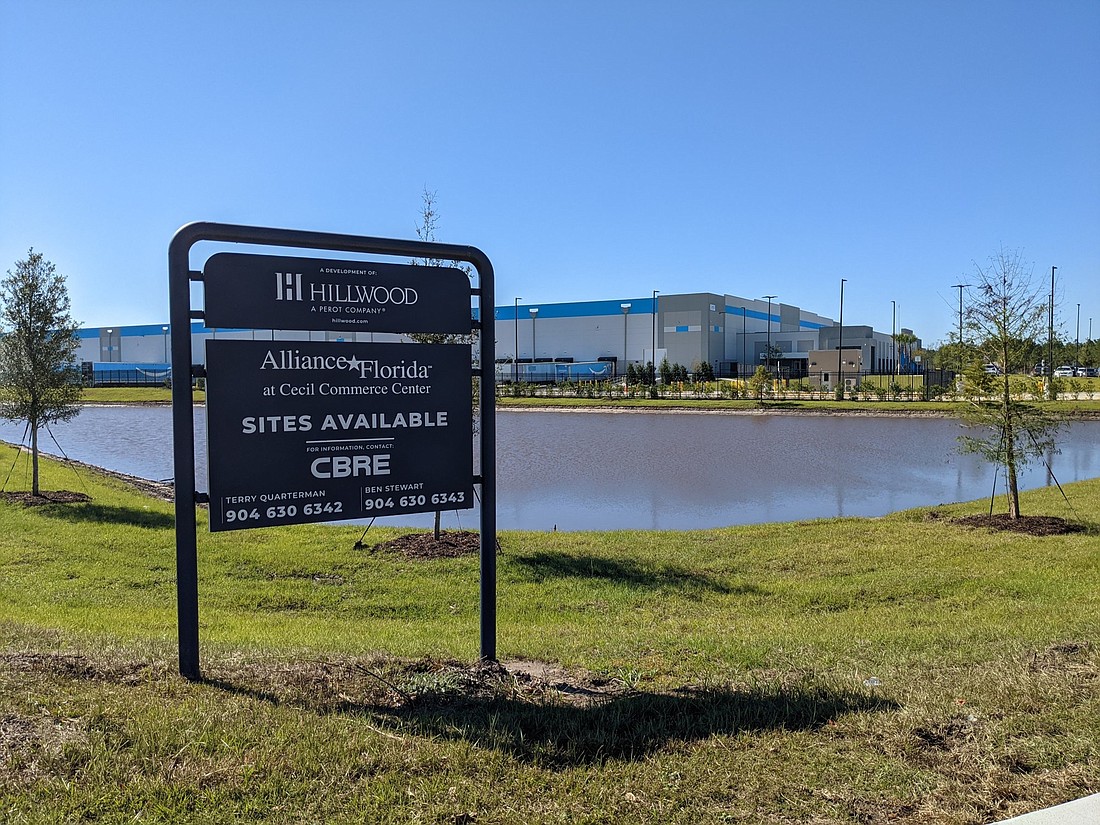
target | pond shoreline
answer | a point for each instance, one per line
(1074, 415)
(1082, 414)
(667, 470)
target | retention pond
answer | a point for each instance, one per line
(610, 471)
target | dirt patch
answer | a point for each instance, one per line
(45, 497)
(1065, 656)
(451, 544)
(28, 743)
(76, 666)
(1028, 525)
(329, 684)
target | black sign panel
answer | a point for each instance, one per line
(315, 431)
(273, 292)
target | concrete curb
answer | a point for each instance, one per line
(1084, 811)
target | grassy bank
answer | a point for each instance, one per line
(1070, 408)
(134, 395)
(846, 670)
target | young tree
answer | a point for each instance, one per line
(703, 371)
(758, 383)
(425, 231)
(665, 371)
(1006, 314)
(39, 380)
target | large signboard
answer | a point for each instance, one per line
(273, 292)
(316, 431)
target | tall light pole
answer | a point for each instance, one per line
(744, 343)
(840, 360)
(653, 346)
(534, 313)
(960, 288)
(723, 320)
(515, 358)
(894, 338)
(768, 351)
(165, 331)
(1077, 342)
(626, 311)
(1050, 340)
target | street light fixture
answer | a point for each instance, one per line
(653, 345)
(840, 361)
(1077, 342)
(960, 288)
(626, 311)
(744, 342)
(768, 351)
(534, 311)
(515, 358)
(894, 338)
(165, 331)
(1050, 340)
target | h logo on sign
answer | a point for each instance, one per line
(288, 286)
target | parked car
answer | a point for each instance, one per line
(1088, 372)
(1064, 371)
(991, 369)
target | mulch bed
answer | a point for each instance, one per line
(451, 544)
(1028, 525)
(45, 497)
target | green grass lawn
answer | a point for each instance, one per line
(899, 669)
(133, 395)
(1069, 408)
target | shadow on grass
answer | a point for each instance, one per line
(558, 722)
(574, 727)
(104, 514)
(549, 565)
(633, 726)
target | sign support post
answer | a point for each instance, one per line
(186, 497)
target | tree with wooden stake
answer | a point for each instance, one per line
(1007, 312)
(39, 380)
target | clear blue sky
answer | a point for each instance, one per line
(591, 149)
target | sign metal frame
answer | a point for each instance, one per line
(180, 278)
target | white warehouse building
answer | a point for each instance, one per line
(584, 339)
